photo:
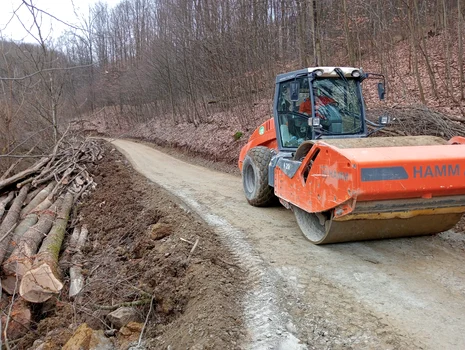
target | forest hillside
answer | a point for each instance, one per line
(200, 74)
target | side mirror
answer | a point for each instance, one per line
(295, 91)
(384, 120)
(381, 91)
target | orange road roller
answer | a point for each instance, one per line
(315, 158)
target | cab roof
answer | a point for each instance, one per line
(327, 72)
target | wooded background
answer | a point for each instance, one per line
(187, 59)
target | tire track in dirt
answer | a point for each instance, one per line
(265, 320)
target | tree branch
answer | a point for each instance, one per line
(48, 70)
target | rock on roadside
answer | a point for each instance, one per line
(86, 338)
(122, 316)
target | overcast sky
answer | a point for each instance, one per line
(66, 10)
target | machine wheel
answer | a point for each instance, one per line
(313, 226)
(255, 177)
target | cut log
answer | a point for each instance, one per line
(75, 271)
(65, 259)
(39, 198)
(19, 176)
(32, 194)
(43, 280)
(10, 221)
(24, 225)
(73, 242)
(16, 318)
(82, 237)
(5, 201)
(20, 260)
(18, 232)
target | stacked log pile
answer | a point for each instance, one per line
(417, 120)
(35, 207)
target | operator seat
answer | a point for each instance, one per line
(332, 119)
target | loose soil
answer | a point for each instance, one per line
(140, 242)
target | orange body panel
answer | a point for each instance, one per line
(457, 140)
(264, 135)
(328, 183)
(339, 178)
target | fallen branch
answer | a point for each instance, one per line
(21, 175)
(192, 250)
(55, 149)
(15, 164)
(185, 240)
(65, 259)
(21, 157)
(126, 304)
(21, 184)
(146, 321)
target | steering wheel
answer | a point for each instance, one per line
(347, 112)
(328, 113)
(323, 112)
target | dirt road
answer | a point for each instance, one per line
(390, 294)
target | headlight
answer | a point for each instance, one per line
(384, 120)
(356, 74)
(318, 72)
(315, 122)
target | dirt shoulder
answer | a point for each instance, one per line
(140, 244)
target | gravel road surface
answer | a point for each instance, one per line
(390, 294)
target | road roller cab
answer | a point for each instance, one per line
(313, 156)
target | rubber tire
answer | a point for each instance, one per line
(255, 177)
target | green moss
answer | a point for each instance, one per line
(238, 135)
